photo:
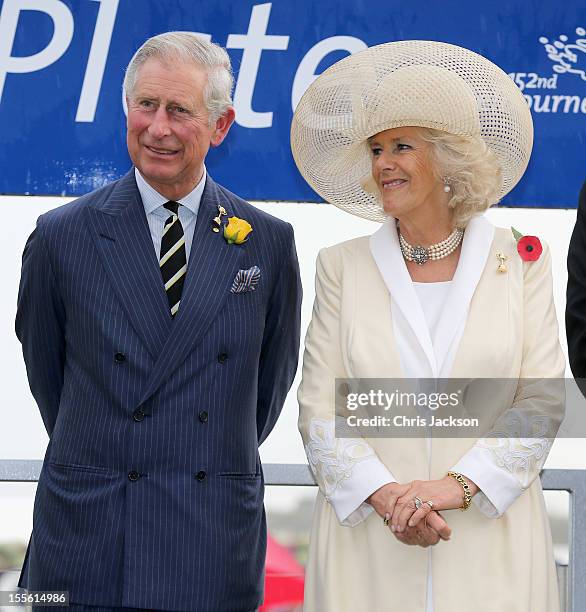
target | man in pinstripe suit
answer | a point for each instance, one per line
(159, 346)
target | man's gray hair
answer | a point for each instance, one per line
(189, 47)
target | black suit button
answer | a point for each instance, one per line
(203, 416)
(138, 415)
(119, 357)
(201, 476)
(133, 476)
(222, 357)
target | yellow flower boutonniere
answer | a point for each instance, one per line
(236, 230)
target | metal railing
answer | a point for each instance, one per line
(573, 576)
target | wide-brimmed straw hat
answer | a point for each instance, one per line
(407, 83)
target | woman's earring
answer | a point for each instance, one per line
(447, 187)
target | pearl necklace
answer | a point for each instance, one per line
(442, 249)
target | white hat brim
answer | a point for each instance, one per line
(406, 83)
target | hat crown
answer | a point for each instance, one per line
(399, 101)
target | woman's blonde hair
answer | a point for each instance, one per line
(471, 170)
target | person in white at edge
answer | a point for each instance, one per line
(402, 133)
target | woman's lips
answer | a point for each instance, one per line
(394, 184)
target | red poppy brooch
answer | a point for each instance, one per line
(528, 247)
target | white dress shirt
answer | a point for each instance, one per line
(157, 214)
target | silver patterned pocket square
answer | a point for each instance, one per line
(246, 280)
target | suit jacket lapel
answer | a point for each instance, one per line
(211, 268)
(120, 230)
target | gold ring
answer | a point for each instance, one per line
(386, 520)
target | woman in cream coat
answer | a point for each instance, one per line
(424, 136)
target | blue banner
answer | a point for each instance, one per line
(62, 118)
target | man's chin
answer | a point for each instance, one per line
(158, 175)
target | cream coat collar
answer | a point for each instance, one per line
(384, 246)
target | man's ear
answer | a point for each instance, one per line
(223, 125)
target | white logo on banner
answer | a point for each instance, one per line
(568, 58)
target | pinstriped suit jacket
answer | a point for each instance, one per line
(151, 493)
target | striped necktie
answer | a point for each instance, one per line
(173, 260)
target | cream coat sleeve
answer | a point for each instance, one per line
(505, 462)
(346, 469)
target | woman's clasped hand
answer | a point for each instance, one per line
(411, 511)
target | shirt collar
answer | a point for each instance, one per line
(152, 199)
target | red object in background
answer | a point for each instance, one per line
(284, 578)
